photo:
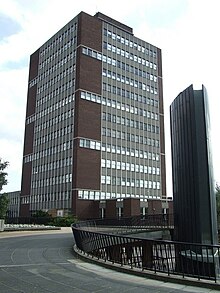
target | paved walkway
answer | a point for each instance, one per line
(42, 261)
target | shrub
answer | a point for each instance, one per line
(63, 221)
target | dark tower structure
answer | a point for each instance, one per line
(193, 186)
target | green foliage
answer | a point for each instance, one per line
(41, 214)
(63, 221)
(4, 202)
(3, 180)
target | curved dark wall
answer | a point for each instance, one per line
(193, 187)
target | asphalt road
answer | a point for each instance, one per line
(41, 262)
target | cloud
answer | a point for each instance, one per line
(8, 26)
(186, 31)
(13, 88)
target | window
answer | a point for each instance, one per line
(108, 180)
(84, 50)
(81, 143)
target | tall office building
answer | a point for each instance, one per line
(94, 133)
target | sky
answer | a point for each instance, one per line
(187, 31)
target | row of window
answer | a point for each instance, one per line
(57, 78)
(60, 103)
(14, 200)
(130, 137)
(86, 143)
(55, 196)
(54, 68)
(63, 102)
(130, 69)
(120, 150)
(130, 95)
(129, 182)
(121, 106)
(54, 43)
(57, 102)
(53, 135)
(112, 61)
(111, 164)
(143, 113)
(58, 90)
(111, 148)
(59, 64)
(57, 53)
(49, 72)
(90, 144)
(129, 122)
(129, 43)
(52, 165)
(129, 81)
(125, 93)
(129, 55)
(54, 120)
(55, 149)
(67, 178)
(49, 151)
(57, 105)
(97, 195)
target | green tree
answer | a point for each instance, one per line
(4, 201)
(3, 175)
(41, 214)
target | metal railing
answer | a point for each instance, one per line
(158, 220)
(172, 258)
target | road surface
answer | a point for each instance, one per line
(41, 262)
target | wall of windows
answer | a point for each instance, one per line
(123, 106)
(137, 168)
(118, 149)
(130, 43)
(119, 77)
(101, 195)
(131, 123)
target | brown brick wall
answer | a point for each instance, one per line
(87, 209)
(89, 31)
(87, 116)
(131, 207)
(26, 179)
(86, 172)
(34, 61)
(28, 138)
(88, 73)
(170, 206)
(163, 175)
(114, 22)
(31, 100)
(162, 133)
(160, 80)
(25, 210)
(87, 119)
(111, 211)
(162, 138)
(154, 207)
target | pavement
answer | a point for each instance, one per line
(43, 261)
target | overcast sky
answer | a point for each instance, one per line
(187, 31)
